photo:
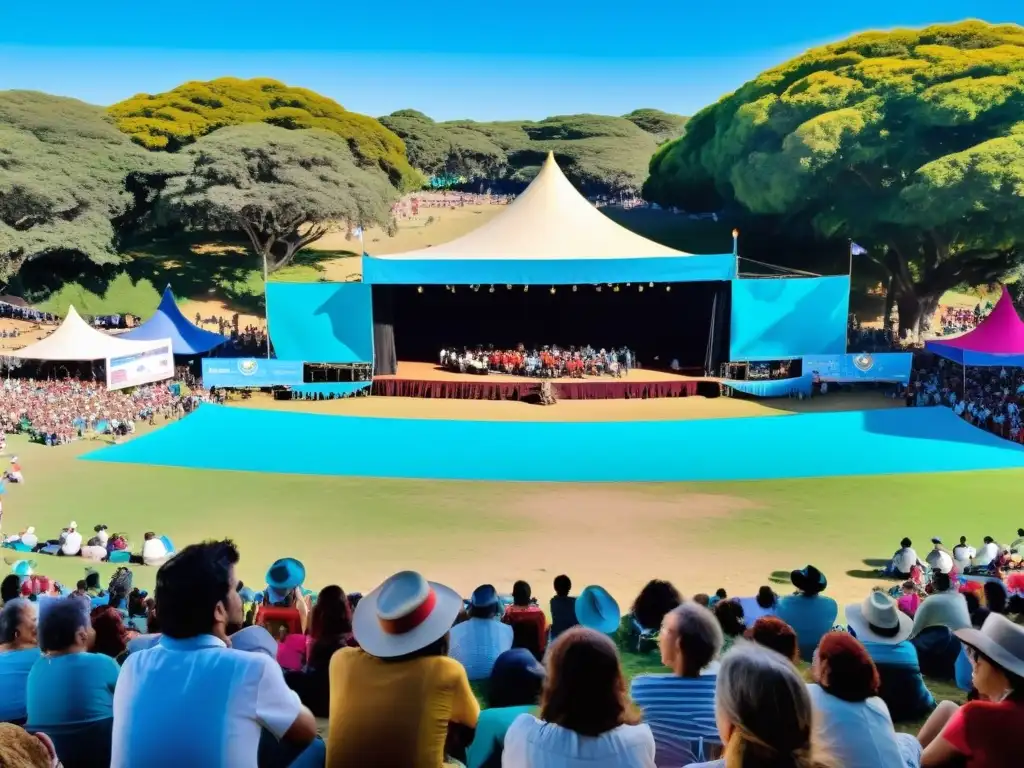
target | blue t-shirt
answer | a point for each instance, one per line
(811, 617)
(71, 690)
(681, 713)
(14, 669)
(489, 739)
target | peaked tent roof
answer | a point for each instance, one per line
(75, 339)
(551, 233)
(169, 323)
(997, 340)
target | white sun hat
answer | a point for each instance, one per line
(1000, 640)
(879, 620)
(404, 614)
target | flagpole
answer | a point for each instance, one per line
(850, 273)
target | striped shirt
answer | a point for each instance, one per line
(477, 643)
(681, 713)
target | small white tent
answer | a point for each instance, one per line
(75, 339)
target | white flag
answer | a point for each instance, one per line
(857, 250)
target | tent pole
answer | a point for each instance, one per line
(266, 307)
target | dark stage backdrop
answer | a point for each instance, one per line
(658, 325)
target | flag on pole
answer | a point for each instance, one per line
(857, 250)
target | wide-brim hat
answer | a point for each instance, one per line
(517, 664)
(484, 596)
(999, 639)
(879, 620)
(943, 609)
(286, 574)
(808, 579)
(404, 614)
(597, 610)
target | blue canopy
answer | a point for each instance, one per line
(168, 323)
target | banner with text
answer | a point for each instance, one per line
(251, 372)
(140, 368)
(884, 366)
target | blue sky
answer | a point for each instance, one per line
(485, 60)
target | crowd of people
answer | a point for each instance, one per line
(58, 411)
(102, 546)
(548, 362)
(412, 674)
(956, 320)
(28, 314)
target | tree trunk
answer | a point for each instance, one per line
(890, 302)
(915, 313)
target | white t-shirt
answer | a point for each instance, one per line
(860, 734)
(217, 699)
(537, 744)
(962, 554)
(987, 554)
(904, 559)
(153, 550)
(72, 543)
(30, 540)
(939, 561)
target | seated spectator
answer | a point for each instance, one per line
(19, 650)
(680, 707)
(514, 689)
(477, 642)
(730, 618)
(10, 588)
(854, 721)
(596, 609)
(810, 613)
(395, 699)
(586, 717)
(772, 632)
(330, 628)
(903, 560)
(910, 599)
(221, 697)
(640, 626)
(69, 687)
(984, 732)
(939, 559)
(765, 718)
(938, 617)
(720, 594)
(529, 625)
(563, 607)
(21, 749)
(154, 551)
(111, 637)
(988, 553)
(963, 554)
(763, 604)
(995, 597)
(70, 541)
(885, 633)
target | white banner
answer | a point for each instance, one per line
(154, 364)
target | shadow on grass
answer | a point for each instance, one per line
(875, 562)
(779, 577)
(863, 573)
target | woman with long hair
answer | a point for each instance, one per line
(585, 713)
(764, 713)
(330, 627)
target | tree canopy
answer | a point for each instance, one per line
(598, 153)
(63, 172)
(177, 118)
(283, 189)
(909, 142)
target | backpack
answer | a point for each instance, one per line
(121, 581)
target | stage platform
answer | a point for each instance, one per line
(430, 381)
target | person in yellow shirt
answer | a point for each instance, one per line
(399, 701)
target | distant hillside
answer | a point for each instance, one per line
(598, 153)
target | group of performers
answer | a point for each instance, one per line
(549, 362)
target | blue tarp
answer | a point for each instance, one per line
(321, 322)
(773, 387)
(663, 269)
(168, 323)
(972, 357)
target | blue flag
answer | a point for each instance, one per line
(857, 250)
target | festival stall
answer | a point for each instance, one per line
(169, 323)
(128, 362)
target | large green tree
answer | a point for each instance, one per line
(65, 169)
(910, 143)
(283, 189)
(177, 118)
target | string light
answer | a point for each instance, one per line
(650, 285)
(641, 289)
(574, 289)
(552, 289)
(668, 288)
(420, 289)
(599, 289)
(627, 285)
(616, 289)
(476, 288)
(492, 289)
(509, 286)
(526, 288)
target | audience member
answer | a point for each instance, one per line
(477, 642)
(111, 637)
(655, 600)
(910, 598)
(810, 613)
(763, 604)
(936, 620)
(330, 628)
(19, 650)
(154, 551)
(765, 718)
(396, 697)
(514, 689)
(21, 749)
(596, 609)
(586, 717)
(772, 632)
(984, 732)
(10, 588)
(903, 560)
(563, 607)
(885, 631)
(222, 698)
(854, 720)
(680, 707)
(939, 558)
(529, 625)
(730, 618)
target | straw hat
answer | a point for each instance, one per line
(404, 614)
(999, 639)
(878, 620)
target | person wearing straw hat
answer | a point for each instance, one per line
(477, 642)
(395, 698)
(885, 631)
(985, 732)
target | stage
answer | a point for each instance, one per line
(429, 381)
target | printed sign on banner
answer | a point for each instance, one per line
(140, 368)
(864, 366)
(251, 372)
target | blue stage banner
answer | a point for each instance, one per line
(885, 366)
(250, 372)
(773, 387)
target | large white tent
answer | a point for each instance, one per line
(75, 340)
